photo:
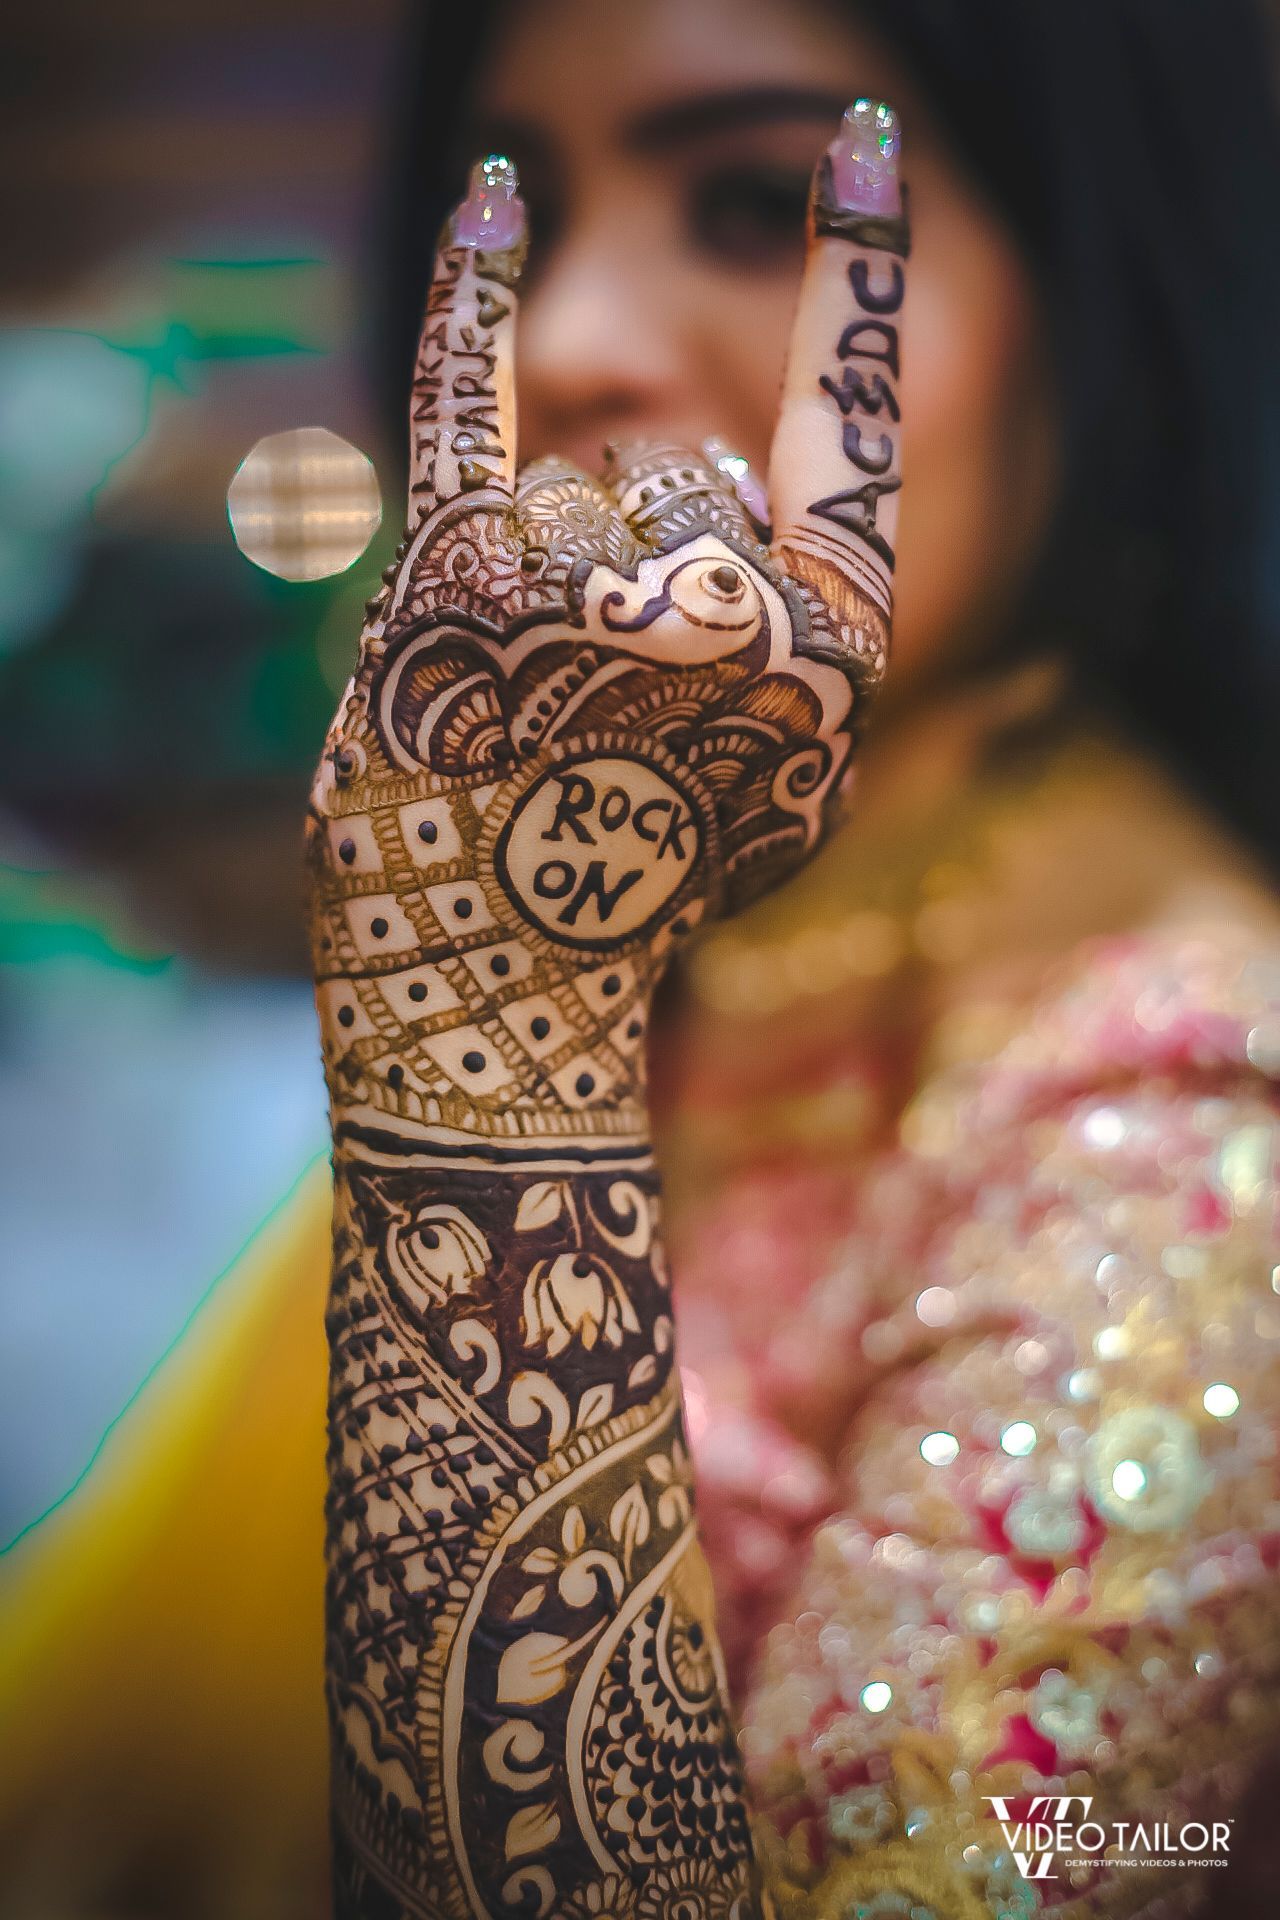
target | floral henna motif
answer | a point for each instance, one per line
(439, 1437)
(586, 714)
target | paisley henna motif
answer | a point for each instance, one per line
(586, 715)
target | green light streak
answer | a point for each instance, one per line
(285, 264)
(38, 922)
(172, 1347)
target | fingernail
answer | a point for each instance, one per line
(864, 160)
(492, 215)
(737, 469)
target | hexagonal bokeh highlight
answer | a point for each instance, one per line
(304, 504)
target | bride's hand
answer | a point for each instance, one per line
(590, 711)
(586, 713)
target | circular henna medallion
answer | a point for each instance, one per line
(596, 850)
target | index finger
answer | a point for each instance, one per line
(834, 469)
(462, 413)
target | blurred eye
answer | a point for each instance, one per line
(749, 215)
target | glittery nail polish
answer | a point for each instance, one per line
(492, 215)
(864, 160)
(750, 491)
(737, 469)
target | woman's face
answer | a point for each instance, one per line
(665, 148)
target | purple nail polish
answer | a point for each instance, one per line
(752, 496)
(864, 160)
(492, 215)
(737, 469)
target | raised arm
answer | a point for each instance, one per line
(585, 714)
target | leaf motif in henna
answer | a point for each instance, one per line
(541, 1204)
(596, 1404)
(532, 1669)
(532, 1829)
(629, 1522)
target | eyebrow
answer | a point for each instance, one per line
(694, 117)
(729, 111)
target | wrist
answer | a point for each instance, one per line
(480, 1035)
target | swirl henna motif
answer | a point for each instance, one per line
(586, 715)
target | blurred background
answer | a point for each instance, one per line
(190, 197)
(197, 204)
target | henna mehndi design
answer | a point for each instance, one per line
(585, 715)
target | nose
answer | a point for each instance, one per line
(600, 348)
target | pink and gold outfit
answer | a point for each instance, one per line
(987, 1449)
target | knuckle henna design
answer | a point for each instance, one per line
(666, 493)
(586, 715)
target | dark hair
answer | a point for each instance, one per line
(1133, 149)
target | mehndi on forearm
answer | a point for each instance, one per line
(586, 713)
(523, 1668)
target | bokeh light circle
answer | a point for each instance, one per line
(304, 504)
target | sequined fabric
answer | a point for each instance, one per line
(1035, 1552)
